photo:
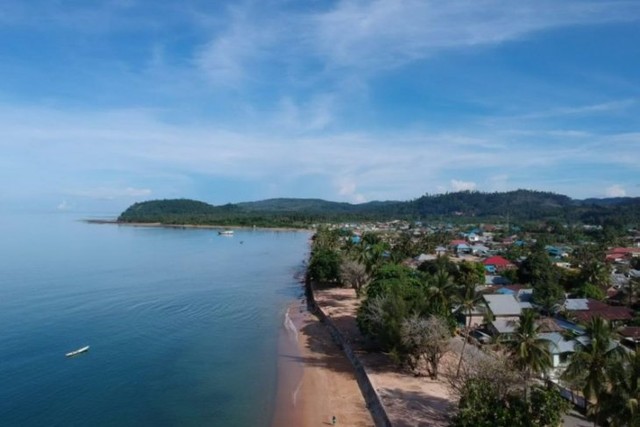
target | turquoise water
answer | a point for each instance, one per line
(182, 323)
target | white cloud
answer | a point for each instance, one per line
(315, 115)
(115, 148)
(106, 193)
(457, 185)
(227, 57)
(616, 190)
(347, 188)
(386, 33)
(370, 36)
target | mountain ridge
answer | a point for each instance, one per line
(517, 204)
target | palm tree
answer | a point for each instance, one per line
(529, 353)
(621, 402)
(468, 301)
(371, 255)
(440, 289)
(592, 361)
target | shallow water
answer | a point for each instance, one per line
(183, 324)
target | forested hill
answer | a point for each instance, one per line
(517, 205)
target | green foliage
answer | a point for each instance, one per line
(543, 276)
(590, 365)
(470, 273)
(620, 404)
(528, 352)
(324, 265)
(589, 290)
(481, 405)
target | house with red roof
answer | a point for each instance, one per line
(584, 309)
(620, 254)
(497, 263)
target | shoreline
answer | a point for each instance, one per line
(315, 379)
(195, 226)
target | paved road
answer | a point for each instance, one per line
(576, 419)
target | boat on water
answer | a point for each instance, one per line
(226, 233)
(78, 351)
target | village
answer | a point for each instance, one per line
(556, 304)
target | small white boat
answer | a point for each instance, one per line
(226, 233)
(78, 351)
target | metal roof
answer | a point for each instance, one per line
(503, 305)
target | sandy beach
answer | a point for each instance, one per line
(409, 401)
(315, 379)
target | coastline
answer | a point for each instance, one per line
(196, 226)
(315, 380)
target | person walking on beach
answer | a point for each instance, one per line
(333, 420)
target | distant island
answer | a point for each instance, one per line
(469, 206)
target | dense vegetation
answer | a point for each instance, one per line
(520, 205)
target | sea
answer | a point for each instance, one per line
(182, 324)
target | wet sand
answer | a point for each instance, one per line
(315, 379)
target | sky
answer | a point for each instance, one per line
(106, 103)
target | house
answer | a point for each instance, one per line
(462, 248)
(425, 257)
(621, 254)
(506, 310)
(631, 336)
(440, 250)
(559, 347)
(490, 280)
(505, 328)
(498, 263)
(556, 252)
(473, 237)
(479, 249)
(584, 309)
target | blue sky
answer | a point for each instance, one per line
(104, 103)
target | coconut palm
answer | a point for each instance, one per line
(592, 361)
(468, 301)
(620, 404)
(529, 353)
(441, 288)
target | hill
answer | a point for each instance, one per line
(520, 205)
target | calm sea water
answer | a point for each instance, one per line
(182, 324)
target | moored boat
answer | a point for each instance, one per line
(78, 351)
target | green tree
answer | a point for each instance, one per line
(481, 406)
(441, 289)
(468, 300)
(597, 274)
(470, 274)
(592, 360)
(620, 402)
(395, 293)
(324, 265)
(589, 290)
(530, 353)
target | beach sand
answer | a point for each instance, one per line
(315, 379)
